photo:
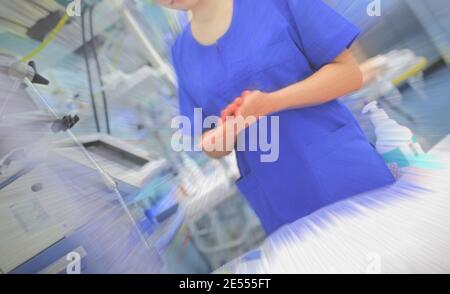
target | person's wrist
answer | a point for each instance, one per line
(272, 103)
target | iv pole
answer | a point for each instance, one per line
(147, 48)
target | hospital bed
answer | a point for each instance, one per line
(399, 229)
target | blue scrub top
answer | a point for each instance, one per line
(324, 156)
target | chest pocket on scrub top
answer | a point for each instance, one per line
(278, 65)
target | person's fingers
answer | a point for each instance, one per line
(228, 112)
(238, 113)
(238, 101)
(232, 108)
(246, 93)
(223, 115)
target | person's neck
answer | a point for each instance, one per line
(207, 11)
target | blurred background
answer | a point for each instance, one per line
(88, 179)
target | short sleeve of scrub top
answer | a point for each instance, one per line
(322, 154)
(321, 32)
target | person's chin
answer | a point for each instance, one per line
(180, 4)
(177, 4)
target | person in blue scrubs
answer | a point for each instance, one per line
(292, 55)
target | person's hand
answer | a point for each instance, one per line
(237, 116)
(222, 138)
(232, 108)
(251, 103)
(255, 105)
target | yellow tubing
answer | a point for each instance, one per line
(418, 67)
(50, 37)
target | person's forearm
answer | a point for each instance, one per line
(330, 82)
